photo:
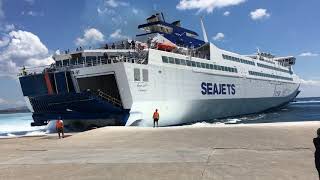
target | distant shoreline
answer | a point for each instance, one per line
(14, 110)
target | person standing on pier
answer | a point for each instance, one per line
(155, 118)
(316, 142)
(59, 128)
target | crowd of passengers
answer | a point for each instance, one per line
(133, 45)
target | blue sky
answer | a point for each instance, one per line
(32, 30)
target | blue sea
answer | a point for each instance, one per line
(303, 109)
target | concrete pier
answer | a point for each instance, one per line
(242, 152)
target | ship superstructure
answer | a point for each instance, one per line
(166, 68)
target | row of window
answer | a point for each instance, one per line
(184, 62)
(230, 58)
(91, 60)
(137, 75)
(273, 68)
(269, 75)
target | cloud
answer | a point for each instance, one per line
(135, 11)
(259, 14)
(32, 13)
(24, 48)
(118, 35)
(6, 27)
(227, 13)
(1, 11)
(309, 88)
(3, 101)
(4, 41)
(206, 5)
(308, 54)
(90, 37)
(116, 3)
(219, 36)
(310, 82)
(106, 11)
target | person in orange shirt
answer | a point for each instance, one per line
(155, 118)
(59, 128)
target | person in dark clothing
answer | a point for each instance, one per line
(113, 46)
(133, 44)
(316, 142)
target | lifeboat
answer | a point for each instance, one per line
(166, 46)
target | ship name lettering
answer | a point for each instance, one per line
(217, 89)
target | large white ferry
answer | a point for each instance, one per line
(167, 68)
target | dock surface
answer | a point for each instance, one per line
(243, 152)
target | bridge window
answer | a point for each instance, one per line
(58, 63)
(136, 74)
(183, 62)
(177, 61)
(171, 60)
(193, 64)
(165, 59)
(188, 63)
(145, 75)
(66, 62)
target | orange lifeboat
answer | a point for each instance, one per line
(166, 46)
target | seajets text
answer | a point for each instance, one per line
(217, 89)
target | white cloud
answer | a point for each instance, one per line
(24, 48)
(32, 13)
(2, 101)
(118, 35)
(116, 3)
(135, 11)
(90, 37)
(4, 41)
(259, 14)
(310, 83)
(227, 13)
(206, 5)
(219, 36)
(309, 54)
(6, 27)
(309, 88)
(106, 11)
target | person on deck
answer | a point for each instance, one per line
(316, 142)
(59, 128)
(155, 118)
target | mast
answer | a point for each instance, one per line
(205, 37)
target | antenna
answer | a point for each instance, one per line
(205, 37)
(163, 17)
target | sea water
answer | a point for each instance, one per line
(303, 109)
(12, 125)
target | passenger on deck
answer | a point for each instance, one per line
(155, 118)
(316, 142)
(133, 44)
(113, 46)
(106, 46)
(122, 45)
(127, 45)
(60, 127)
(24, 71)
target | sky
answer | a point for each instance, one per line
(31, 31)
